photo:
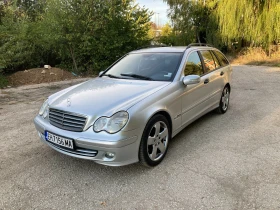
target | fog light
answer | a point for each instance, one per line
(109, 155)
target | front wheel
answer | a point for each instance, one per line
(154, 142)
(224, 101)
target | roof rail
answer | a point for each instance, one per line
(152, 46)
(198, 44)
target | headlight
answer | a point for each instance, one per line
(111, 124)
(44, 109)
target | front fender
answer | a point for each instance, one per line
(167, 100)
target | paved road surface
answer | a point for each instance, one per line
(218, 162)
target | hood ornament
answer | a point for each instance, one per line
(68, 102)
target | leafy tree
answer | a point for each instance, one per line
(191, 19)
(96, 32)
(23, 40)
(167, 36)
(222, 22)
(255, 22)
(86, 35)
(32, 9)
(166, 30)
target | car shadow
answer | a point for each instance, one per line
(199, 123)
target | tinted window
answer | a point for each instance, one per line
(217, 63)
(157, 66)
(221, 58)
(208, 61)
(193, 65)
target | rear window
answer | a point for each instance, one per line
(221, 58)
(217, 63)
(209, 62)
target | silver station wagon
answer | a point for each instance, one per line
(133, 109)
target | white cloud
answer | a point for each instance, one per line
(158, 7)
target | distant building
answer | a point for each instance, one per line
(157, 33)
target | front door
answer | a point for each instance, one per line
(194, 96)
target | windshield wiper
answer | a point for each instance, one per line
(112, 76)
(137, 76)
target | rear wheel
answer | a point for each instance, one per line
(224, 102)
(154, 142)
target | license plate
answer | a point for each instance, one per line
(61, 141)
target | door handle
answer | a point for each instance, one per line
(206, 81)
(222, 73)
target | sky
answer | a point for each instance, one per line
(158, 7)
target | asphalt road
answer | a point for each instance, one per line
(229, 161)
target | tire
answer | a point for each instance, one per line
(224, 101)
(154, 142)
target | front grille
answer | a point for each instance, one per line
(67, 120)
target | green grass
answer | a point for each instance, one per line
(3, 81)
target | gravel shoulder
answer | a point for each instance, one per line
(229, 161)
(35, 92)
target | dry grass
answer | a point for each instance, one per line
(256, 56)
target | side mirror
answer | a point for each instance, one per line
(100, 73)
(191, 79)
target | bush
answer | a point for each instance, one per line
(3, 81)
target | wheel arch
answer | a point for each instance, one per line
(143, 152)
(228, 85)
(166, 115)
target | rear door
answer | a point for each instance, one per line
(215, 75)
(225, 67)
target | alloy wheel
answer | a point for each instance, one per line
(157, 140)
(225, 99)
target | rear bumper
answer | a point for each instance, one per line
(93, 146)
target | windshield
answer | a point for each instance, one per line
(146, 66)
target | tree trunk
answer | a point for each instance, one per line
(73, 58)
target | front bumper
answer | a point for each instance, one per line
(93, 146)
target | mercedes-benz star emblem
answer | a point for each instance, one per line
(68, 102)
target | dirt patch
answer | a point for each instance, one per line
(39, 75)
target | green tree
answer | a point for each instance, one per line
(84, 35)
(222, 22)
(167, 36)
(93, 33)
(255, 22)
(166, 30)
(24, 42)
(192, 20)
(32, 9)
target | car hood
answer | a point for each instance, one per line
(104, 96)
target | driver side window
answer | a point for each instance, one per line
(193, 65)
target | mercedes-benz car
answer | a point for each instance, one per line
(133, 109)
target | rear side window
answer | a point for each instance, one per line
(217, 63)
(193, 65)
(208, 61)
(221, 58)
